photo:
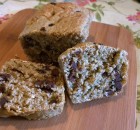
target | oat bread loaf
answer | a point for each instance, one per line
(53, 29)
(93, 71)
(30, 90)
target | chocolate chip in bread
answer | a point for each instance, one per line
(93, 71)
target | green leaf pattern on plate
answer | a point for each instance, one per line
(97, 9)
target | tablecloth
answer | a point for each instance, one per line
(124, 13)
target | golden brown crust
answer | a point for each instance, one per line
(66, 17)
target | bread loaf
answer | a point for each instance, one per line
(53, 29)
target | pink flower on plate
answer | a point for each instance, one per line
(84, 2)
(135, 18)
(5, 17)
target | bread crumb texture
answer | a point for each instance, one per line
(94, 71)
(31, 90)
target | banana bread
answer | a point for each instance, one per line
(93, 71)
(30, 90)
(53, 29)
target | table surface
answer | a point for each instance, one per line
(115, 12)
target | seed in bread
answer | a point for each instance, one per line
(93, 71)
(31, 90)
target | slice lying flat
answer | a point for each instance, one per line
(30, 90)
(93, 71)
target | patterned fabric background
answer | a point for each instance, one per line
(124, 13)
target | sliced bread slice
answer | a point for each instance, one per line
(31, 90)
(93, 71)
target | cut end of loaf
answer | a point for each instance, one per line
(31, 90)
(93, 71)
